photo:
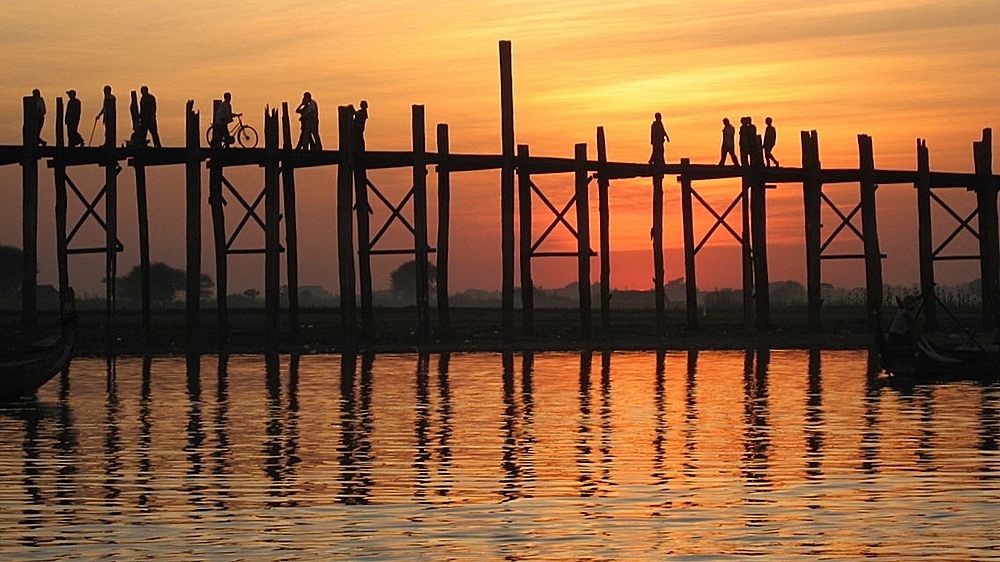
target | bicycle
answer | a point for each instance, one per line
(243, 133)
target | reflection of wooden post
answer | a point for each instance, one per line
(524, 205)
(61, 204)
(507, 189)
(110, 213)
(345, 223)
(811, 189)
(291, 227)
(216, 202)
(29, 218)
(989, 245)
(420, 220)
(747, 252)
(443, 233)
(192, 167)
(690, 281)
(869, 228)
(925, 240)
(583, 238)
(272, 227)
(657, 234)
(605, 229)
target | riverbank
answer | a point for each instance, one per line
(472, 329)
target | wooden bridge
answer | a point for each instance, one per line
(275, 204)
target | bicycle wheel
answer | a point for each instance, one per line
(208, 134)
(247, 137)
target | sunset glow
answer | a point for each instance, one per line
(896, 70)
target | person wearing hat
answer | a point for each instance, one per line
(73, 111)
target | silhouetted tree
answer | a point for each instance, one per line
(164, 284)
(404, 279)
(11, 270)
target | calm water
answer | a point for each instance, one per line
(620, 456)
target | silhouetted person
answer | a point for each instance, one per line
(108, 97)
(657, 135)
(770, 137)
(360, 119)
(308, 112)
(748, 136)
(728, 143)
(73, 111)
(39, 105)
(223, 117)
(147, 117)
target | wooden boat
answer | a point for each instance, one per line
(25, 370)
(920, 360)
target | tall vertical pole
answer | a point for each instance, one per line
(925, 240)
(216, 202)
(192, 167)
(272, 228)
(869, 228)
(758, 239)
(62, 257)
(657, 234)
(989, 245)
(443, 231)
(420, 221)
(507, 189)
(110, 213)
(583, 238)
(747, 250)
(604, 214)
(364, 237)
(142, 208)
(811, 190)
(291, 226)
(524, 206)
(345, 223)
(687, 217)
(29, 218)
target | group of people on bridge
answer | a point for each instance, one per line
(748, 142)
(143, 118)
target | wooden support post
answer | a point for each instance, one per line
(758, 238)
(656, 232)
(925, 240)
(524, 206)
(604, 215)
(690, 281)
(345, 223)
(142, 208)
(29, 218)
(192, 166)
(364, 238)
(110, 214)
(869, 228)
(62, 258)
(217, 202)
(420, 221)
(443, 231)
(507, 190)
(747, 250)
(272, 228)
(583, 238)
(291, 226)
(811, 190)
(989, 244)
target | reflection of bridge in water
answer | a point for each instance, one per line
(275, 203)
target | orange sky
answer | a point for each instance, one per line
(896, 70)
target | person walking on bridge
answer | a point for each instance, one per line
(73, 111)
(770, 138)
(308, 112)
(657, 135)
(728, 143)
(147, 116)
(38, 104)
